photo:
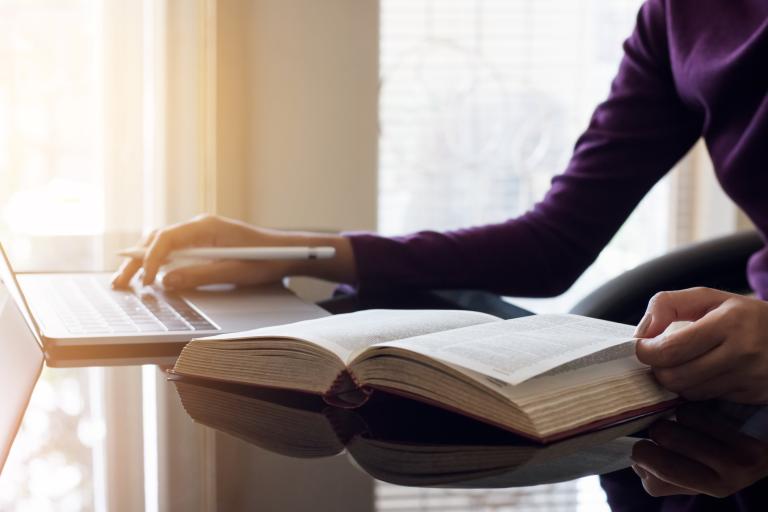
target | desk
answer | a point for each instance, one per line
(120, 438)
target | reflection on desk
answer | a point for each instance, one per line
(402, 441)
(716, 449)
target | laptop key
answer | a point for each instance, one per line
(150, 327)
(88, 308)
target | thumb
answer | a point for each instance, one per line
(223, 272)
(667, 307)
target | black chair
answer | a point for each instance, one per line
(718, 263)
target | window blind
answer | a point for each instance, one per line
(481, 102)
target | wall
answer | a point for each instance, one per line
(297, 112)
(313, 92)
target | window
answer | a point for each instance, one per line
(60, 116)
(74, 94)
(481, 103)
(100, 101)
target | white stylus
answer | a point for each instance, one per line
(241, 253)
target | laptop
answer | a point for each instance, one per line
(79, 320)
(21, 361)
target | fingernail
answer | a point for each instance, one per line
(645, 322)
(640, 471)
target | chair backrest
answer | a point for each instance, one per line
(717, 263)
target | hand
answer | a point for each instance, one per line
(700, 453)
(211, 231)
(722, 354)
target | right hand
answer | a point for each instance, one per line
(212, 231)
(703, 452)
(722, 354)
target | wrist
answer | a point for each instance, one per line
(340, 268)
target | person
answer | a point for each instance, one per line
(691, 68)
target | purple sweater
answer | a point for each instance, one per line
(691, 68)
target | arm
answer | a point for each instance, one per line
(633, 139)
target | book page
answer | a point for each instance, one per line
(349, 333)
(513, 351)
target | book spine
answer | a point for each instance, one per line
(346, 423)
(346, 392)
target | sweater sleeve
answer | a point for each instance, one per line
(632, 140)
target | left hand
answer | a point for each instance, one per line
(722, 354)
(700, 453)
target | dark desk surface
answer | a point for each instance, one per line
(129, 439)
(122, 439)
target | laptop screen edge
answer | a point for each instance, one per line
(19, 303)
(8, 277)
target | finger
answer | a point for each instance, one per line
(685, 344)
(122, 277)
(179, 235)
(673, 468)
(695, 445)
(697, 371)
(716, 387)
(674, 306)
(657, 487)
(226, 271)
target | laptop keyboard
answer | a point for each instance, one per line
(87, 307)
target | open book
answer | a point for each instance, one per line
(403, 441)
(545, 377)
